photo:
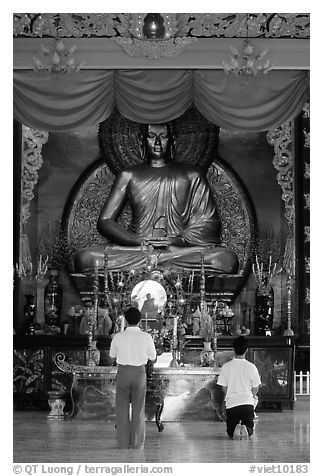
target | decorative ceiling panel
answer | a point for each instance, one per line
(198, 25)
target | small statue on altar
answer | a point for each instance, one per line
(73, 321)
(86, 322)
(105, 323)
(196, 326)
(149, 308)
(181, 330)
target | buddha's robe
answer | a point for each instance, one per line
(173, 201)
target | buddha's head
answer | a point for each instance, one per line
(157, 141)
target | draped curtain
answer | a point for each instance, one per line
(66, 102)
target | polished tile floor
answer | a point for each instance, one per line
(279, 437)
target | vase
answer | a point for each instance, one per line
(53, 300)
(40, 290)
(29, 313)
(207, 355)
(235, 327)
(264, 311)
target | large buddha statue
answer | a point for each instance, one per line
(174, 214)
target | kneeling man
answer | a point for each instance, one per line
(240, 381)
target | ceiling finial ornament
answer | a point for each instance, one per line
(152, 35)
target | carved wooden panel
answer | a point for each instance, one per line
(234, 209)
(200, 25)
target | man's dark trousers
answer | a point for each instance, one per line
(243, 413)
(131, 387)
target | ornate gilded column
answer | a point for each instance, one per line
(282, 139)
(306, 219)
(31, 162)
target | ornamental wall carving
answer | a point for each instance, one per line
(33, 141)
(281, 139)
(181, 25)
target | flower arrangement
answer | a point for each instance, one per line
(53, 243)
(161, 338)
(264, 276)
(25, 271)
(41, 267)
(268, 254)
(269, 242)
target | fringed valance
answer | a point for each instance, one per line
(66, 102)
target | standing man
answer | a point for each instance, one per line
(131, 349)
(240, 381)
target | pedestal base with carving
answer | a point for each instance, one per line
(57, 405)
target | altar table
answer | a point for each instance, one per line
(174, 393)
(35, 373)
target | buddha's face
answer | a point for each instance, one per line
(157, 141)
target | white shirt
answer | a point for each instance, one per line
(132, 347)
(239, 376)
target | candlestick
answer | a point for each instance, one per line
(215, 342)
(192, 282)
(122, 323)
(106, 266)
(112, 282)
(274, 269)
(249, 318)
(203, 306)
(174, 362)
(175, 331)
(244, 317)
(90, 353)
(106, 287)
(96, 297)
(288, 331)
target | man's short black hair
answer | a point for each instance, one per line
(240, 345)
(132, 316)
